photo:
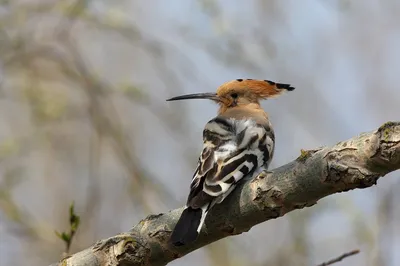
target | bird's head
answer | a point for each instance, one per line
(240, 92)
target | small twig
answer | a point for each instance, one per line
(341, 257)
(67, 237)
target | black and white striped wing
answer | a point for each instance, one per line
(232, 150)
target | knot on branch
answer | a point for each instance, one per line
(126, 249)
(387, 153)
(269, 199)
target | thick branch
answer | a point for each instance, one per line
(355, 163)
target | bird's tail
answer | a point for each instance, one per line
(188, 226)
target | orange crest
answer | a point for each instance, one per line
(260, 88)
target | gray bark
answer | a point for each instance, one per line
(356, 163)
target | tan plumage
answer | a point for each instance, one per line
(237, 143)
(252, 110)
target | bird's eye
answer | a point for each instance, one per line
(234, 95)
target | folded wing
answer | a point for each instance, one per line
(232, 150)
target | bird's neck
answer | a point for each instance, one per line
(251, 110)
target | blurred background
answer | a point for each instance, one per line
(83, 117)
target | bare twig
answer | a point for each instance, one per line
(341, 257)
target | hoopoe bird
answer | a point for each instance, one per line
(238, 143)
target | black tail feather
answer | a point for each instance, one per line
(185, 230)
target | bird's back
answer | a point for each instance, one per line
(233, 148)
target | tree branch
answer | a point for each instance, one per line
(355, 163)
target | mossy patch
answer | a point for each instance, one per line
(387, 128)
(129, 240)
(305, 154)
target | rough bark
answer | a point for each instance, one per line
(356, 163)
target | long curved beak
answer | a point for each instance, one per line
(206, 95)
